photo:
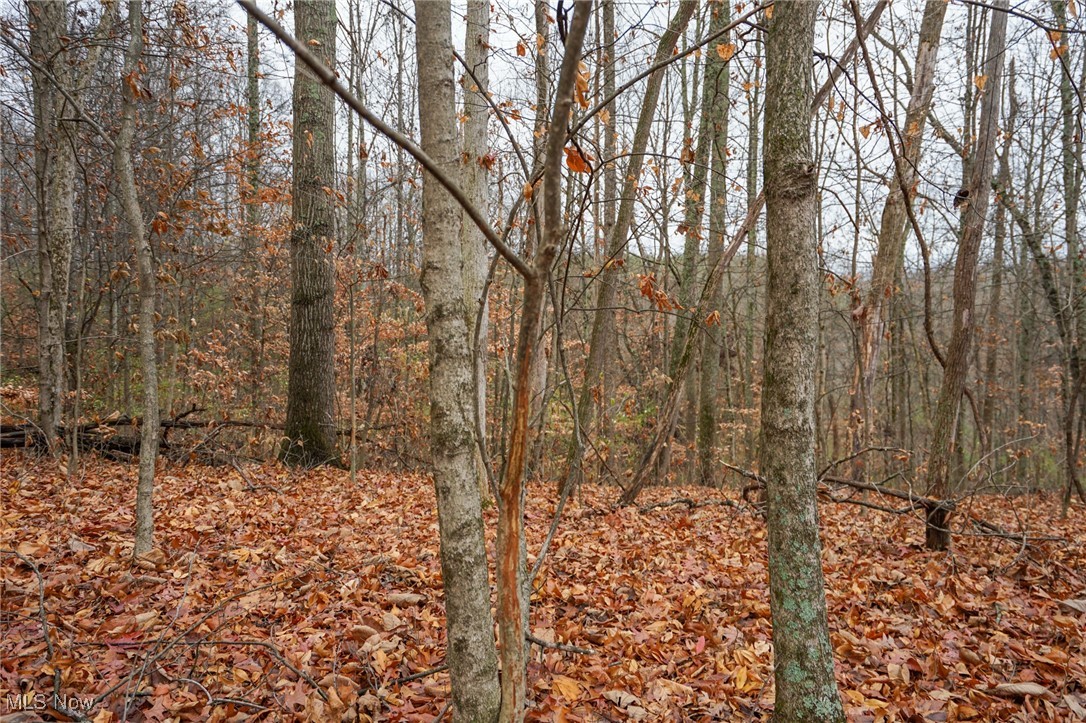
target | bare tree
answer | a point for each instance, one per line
(472, 659)
(872, 315)
(476, 184)
(131, 91)
(806, 690)
(310, 426)
(717, 108)
(512, 601)
(974, 210)
(603, 338)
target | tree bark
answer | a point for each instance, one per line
(55, 139)
(1071, 157)
(602, 341)
(476, 184)
(974, 211)
(473, 665)
(255, 312)
(717, 108)
(512, 593)
(310, 433)
(872, 316)
(995, 339)
(126, 181)
(806, 690)
(695, 160)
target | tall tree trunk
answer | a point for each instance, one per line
(965, 285)
(1071, 156)
(310, 428)
(473, 665)
(610, 170)
(872, 316)
(752, 242)
(252, 214)
(511, 589)
(126, 181)
(476, 185)
(695, 163)
(806, 690)
(995, 340)
(55, 128)
(717, 108)
(603, 341)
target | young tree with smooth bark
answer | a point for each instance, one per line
(131, 91)
(471, 655)
(806, 690)
(958, 354)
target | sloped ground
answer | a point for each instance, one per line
(293, 596)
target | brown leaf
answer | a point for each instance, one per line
(1020, 690)
(621, 698)
(1078, 605)
(567, 687)
(403, 599)
(726, 51)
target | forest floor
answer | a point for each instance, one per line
(295, 596)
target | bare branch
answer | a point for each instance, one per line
(328, 77)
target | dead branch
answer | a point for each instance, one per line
(250, 486)
(421, 674)
(838, 462)
(691, 504)
(558, 646)
(43, 616)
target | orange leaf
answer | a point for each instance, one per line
(576, 162)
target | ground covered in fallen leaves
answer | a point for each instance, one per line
(284, 595)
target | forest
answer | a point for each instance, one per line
(542, 360)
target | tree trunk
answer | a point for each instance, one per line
(995, 340)
(255, 312)
(806, 690)
(695, 161)
(55, 139)
(873, 315)
(610, 170)
(476, 184)
(1071, 156)
(512, 602)
(126, 182)
(752, 243)
(473, 665)
(717, 108)
(965, 285)
(310, 428)
(602, 341)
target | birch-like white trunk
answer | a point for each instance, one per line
(471, 655)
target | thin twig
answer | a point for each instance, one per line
(558, 646)
(328, 77)
(421, 674)
(238, 701)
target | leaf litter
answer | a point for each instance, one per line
(309, 599)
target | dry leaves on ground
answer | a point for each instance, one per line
(310, 599)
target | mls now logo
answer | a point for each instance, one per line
(41, 701)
